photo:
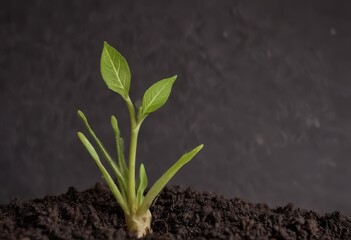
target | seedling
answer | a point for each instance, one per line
(116, 74)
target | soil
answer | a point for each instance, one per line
(179, 213)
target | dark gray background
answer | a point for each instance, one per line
(265, 85)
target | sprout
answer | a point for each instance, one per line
(116, 74)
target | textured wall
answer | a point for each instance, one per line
(265, 85)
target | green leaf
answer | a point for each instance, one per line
(116, 193)
(157, 95)
(115, 70)
(164, 179)
(110, 161)
(119, 146)
(142, 184)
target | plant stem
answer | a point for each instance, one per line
(131, 112)
(134, 130)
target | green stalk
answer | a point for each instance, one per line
(134, 131)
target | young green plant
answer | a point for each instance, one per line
(116, 74)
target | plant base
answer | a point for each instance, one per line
(139, 225)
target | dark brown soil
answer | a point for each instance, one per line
(179, 213)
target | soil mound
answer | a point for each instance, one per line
(179, 213)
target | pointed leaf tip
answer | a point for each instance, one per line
(82, 116)
(114, 121)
